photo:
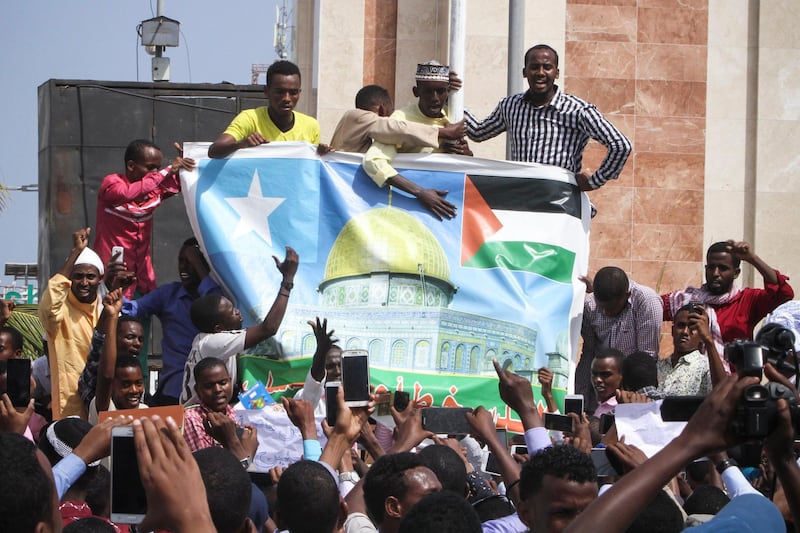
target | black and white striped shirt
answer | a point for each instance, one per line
(554, 134)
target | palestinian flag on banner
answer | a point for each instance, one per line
(513, 223)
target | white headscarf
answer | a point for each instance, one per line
(90, 257)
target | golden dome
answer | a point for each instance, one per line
(386, 239)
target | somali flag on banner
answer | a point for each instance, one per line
(432, 301)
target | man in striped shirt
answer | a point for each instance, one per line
(548, 126)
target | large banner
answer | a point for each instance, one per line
(434, 302)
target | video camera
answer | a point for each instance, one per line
(756, 411)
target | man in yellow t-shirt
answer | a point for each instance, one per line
(278, 121)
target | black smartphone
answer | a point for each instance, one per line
(601, 463)
(573, 403)
(697, 307)
(606, 421)
(446, 420)
(401, 400)
(558, 422)
(680, 408)
(128, 499)
(18, 375)
(355, 377)
(331, 403)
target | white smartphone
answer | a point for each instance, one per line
(573, 403)
(128, 499)
(355, 377)
(519, 449)
(331, 402)
(118, 251)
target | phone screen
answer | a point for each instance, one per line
(331, 402)
(18, 375)
(446, 420)
(573, 404)
(558, 422)
(128, 499)
(355, 377)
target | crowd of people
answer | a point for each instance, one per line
(364, 475)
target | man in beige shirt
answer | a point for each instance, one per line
(432, 89)
(371, 121)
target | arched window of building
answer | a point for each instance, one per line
(459, 364)
(444, 356)
(487, 361)
(474, 354)
(422, 355)
(399, 354)
(309, 345)
(376, 352)
(353, 343)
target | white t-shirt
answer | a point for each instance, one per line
(225, 345)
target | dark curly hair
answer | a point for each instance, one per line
(563, 462)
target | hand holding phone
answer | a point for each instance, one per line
(128, 498)
(118, 254)
(167, 468)
(13, 420)
(401, 400)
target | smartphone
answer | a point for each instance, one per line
(18, 374)
(355, 377)
(492, 467)
(401, 400)
(120, 251)
(446, 420)
(601, 463)
(679, 408)
(331, 402)
(606, 422)
(697, 307)
(573, 403)
(558, 422)
(128, 499)
(519, 449)
(502, 436)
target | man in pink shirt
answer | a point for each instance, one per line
(125, 207)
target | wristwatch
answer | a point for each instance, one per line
(245, 463)
(348, 476)
(288, 285)
(725, 464)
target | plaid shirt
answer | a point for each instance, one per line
(636, 328)
(195, 432)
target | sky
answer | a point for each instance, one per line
(97, 40)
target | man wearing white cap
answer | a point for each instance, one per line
(69, 310)
(432, 89)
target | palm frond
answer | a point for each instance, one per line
(25, 319)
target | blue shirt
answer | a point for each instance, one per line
(171, 304)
